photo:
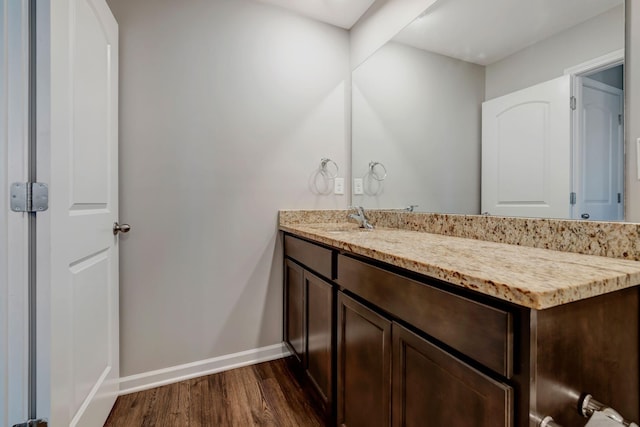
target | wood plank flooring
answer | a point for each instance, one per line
(266, 394)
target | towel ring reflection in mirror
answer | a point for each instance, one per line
(326, 167)
(377, 171)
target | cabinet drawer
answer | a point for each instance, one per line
(477, 330)
(314, 257)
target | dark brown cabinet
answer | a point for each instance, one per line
(482, 332)
(319, 338)
(431, 387)
(428, 386)
(364, 365)
(309, 306)
(381, 346)
(294, 303)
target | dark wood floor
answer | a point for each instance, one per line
(266, 394)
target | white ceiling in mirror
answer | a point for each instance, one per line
(341, 13)
(487, 31)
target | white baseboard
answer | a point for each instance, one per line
(174, 374)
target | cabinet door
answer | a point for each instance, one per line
(431, 387)
(320, 336)
(294, 309)
(364, 365)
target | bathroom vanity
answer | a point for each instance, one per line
(407, 328)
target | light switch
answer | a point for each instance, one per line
(338, 186)
(358, 187)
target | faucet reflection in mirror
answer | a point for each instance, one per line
(417, 107)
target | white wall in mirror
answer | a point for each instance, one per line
(548, 58)
(484, 32)
(423, 94)
(425, 124)
(632, 110)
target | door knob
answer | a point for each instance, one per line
(118, 228)
(585, 216)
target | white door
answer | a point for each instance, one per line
(599, 153)
(83, 207)
(526, 152)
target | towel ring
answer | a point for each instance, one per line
(324, 169)
(376, 174)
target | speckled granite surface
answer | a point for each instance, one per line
(610, 239)
(529, 276)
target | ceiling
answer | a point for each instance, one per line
(486, 31)
(341, 13)
(476, 31)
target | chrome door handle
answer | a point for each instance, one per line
(118, 228)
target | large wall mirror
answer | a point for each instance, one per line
(505, 107)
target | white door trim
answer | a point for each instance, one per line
(43, 220)
(600, 63)
(605, 61)
(14, 113)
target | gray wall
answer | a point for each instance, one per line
(549, 58)
(226, 107)
(418, 113)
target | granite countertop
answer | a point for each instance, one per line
(530, 277)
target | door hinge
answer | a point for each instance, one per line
(619, 119)
(29, 197)
(619, 197)
(33, 423)
(572, 102)
(572, 198)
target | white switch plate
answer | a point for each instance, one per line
(338, 186)
(358, 187)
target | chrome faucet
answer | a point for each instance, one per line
(361, 218)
